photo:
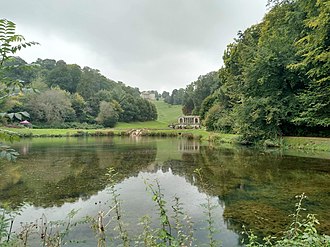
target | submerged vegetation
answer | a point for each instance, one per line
(175, 227)
(301, 232)
(257, 188)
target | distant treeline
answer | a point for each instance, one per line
(275, 79)
(64, 93)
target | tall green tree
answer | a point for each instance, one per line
(275, 78)
(79, 106)
(66, 76)
(314, 50)
(91, 82)
(108, 116)
(197, 91)
(52, 107)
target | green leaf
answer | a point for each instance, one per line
(18, 116)
(25, 114)
(11, 115)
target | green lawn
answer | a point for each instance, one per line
(167, 114)
(307, 143)
(51, 132)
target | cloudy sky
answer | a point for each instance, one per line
(149, 44)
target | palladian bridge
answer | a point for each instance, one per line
(188, 121)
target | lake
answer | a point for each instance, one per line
(244, 186)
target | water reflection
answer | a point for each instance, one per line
(253, 188)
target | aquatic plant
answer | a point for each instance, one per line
(175, 227)
(302, 232)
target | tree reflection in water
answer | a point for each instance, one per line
(253, 188)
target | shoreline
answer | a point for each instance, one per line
(286, 143)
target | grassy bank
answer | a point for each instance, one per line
(307, 143)
(168, 114)
(124, 131)
(155, 128)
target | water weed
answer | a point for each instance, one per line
(171, 226)
(302, 232)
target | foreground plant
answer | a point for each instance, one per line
(110, 221)
(10, 43)
(175, 228)
(165, 232)
(41, 232)
(208, 211)
(302, 232)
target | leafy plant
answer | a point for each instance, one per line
(302, 232)
(10, 43)
(208, 207)
(165, 232)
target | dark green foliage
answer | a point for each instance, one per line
(315, 63)
(166, 96)
(11, 84)
(52, 106)
(17, 69)
(67, 77)
(83, 90)
(275, 76)
(137, 109)
(79, 106)
(108, 116)
(176, 98)
(197, 91)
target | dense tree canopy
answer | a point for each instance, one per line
(52, 106)
(275, 79)
(69, 93)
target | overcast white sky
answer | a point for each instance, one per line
(149, 44)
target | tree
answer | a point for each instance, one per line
(10, 43)
(165, 94)
(107, 116)
(259, 89)
(197, 91)
(92, 82)
(95, 100)
(176, 98)
(79, 106)
(313, 48)
(51, 107)
(66, 76)
(19, 70)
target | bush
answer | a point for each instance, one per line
(68, 125)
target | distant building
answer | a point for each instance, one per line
(185, 122)
(193, 121)
(148, 95)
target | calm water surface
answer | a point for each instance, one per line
(250, 187)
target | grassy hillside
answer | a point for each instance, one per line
(166, 114)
